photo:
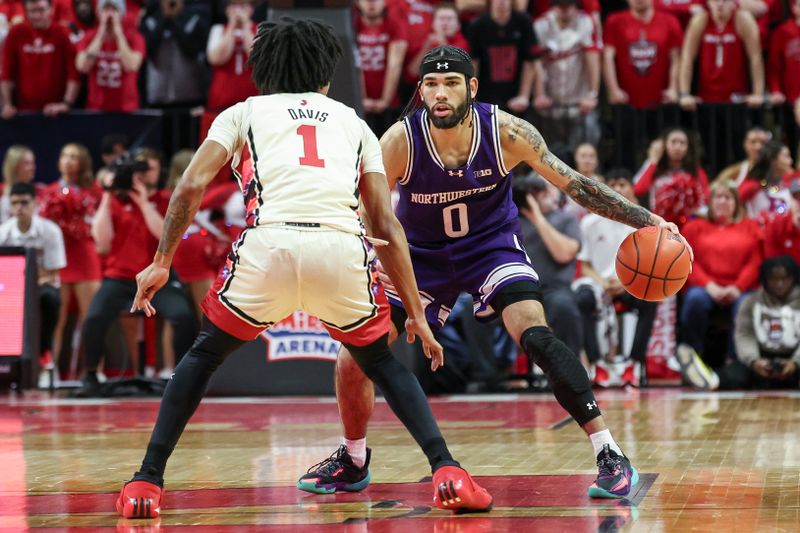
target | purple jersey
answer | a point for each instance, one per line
(462, 226)
(439, 205)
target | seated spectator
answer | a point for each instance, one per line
(784, 63)
(782, 232)
(110, 56)
(587, 163)
(677, 184)
(504, 51)
(127, 226)
(599, 289)
(567, 96)
(552, 240)
(763, 191)
(176, 37)
(38, 65)
(767, 336)
(445, 30)
(683, 10)
(26, 229)
(725, 39)
(754, 141)
(228, 51)
(727, 255)
(19, 166)
(641, 56)
(382, 40)
(71, 202)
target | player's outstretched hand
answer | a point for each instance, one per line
(148, 281)
(432, 349)
(661, 223)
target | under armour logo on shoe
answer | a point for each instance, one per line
(457, 173)
(442, 66)
(591, 405)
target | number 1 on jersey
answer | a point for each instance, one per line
(310, 156)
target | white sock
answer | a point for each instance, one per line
(604, 437)
(358, 450)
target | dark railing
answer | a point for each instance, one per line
(166, 130)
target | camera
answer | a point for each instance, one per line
(123, 170)
(522, 185)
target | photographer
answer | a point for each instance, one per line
(552, 239)
(127, 227)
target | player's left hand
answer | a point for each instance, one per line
(661, 223)
(432, 349)
(148, 281)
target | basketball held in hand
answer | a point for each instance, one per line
(652, 263)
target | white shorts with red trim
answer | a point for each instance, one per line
(276, 270)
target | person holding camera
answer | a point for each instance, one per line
(126, 228)
(767, 335)
(552, 239)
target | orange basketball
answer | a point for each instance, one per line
(652, 263)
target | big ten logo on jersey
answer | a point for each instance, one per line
(299, 336)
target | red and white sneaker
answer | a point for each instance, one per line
(140, 499)
(454, 489)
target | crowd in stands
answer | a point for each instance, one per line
(558, 63)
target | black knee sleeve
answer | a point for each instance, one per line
(566, 375)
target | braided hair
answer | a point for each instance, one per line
(442, 54)
(294, 56)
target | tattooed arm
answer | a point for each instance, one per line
(523, 143)
(183, 205)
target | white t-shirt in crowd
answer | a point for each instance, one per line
(601, 240)
(44, 236)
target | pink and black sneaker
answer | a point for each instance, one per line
(615, 478)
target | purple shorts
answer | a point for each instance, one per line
(479, 266)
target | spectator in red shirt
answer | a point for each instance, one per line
(724, 38)
(11, 12)
(228, 51)
(111, 56)
(677, 184)
(683, 10)
(127, 225)
(71, 203)
(446, 30)
(419, 17)
(727, 256)
(782, 233)
(642, 56)
(784, 63)
(381, 37)
(38, 65)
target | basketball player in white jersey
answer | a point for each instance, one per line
(306, 160)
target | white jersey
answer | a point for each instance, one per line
(303, 155)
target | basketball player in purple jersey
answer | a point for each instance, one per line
(452, 158)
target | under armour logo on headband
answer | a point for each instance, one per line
(440, 66)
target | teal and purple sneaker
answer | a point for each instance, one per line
(615, 478)
(336, 473)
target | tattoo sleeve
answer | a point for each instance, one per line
(595, 196)
(183, 206)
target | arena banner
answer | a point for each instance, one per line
(299, 336)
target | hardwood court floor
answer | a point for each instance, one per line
(708, 462)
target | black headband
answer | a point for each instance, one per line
(443, 66)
